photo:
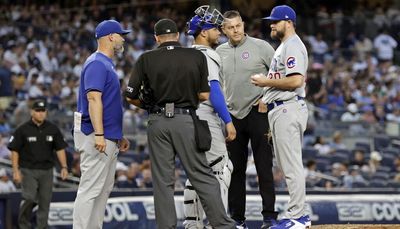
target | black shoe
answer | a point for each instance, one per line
(241, 225)
(267, 223)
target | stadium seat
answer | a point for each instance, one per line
(381, 142)
(339, 157)
(388, 159)
(359, 184)
(365, 146)
(378, 184)
(392, 151)
(323, 164)
(309, 153)
(380, 176)
(385, 169)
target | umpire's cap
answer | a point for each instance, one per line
(107, 27)
(165, 26)
(39, 104)
(282, 12)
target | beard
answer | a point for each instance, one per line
(119, 48)
(213, 42)
(277, 35)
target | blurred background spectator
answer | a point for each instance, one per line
(353, 83)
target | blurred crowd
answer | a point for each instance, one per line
(353, 76)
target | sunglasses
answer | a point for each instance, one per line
(40, 110)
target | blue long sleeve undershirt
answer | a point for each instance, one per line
(217, 100)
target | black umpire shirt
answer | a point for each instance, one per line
(173, 74)
(36, 145)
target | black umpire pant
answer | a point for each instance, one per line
(253, 127)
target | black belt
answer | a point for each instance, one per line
(177, 110)
(276, 103)
(113, 140)
(216, 161)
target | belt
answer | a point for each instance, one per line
(113, 140)
(177, 110)
(276, 103)
(216, 161)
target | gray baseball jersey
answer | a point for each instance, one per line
(251, 56)
(290, 57)
(288, 122)
(213, 63)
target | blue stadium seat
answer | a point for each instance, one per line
(358, 184)
(381, 142)
(388, 159)
(365, 146)
(378, 184)
(339, 157)
(310, 153)
(392, 151)
(323, 165)
(380, 176)
(385, 169)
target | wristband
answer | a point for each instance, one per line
(98, 135)
(64, 168)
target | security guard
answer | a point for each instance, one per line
(177, 77)
(32, 155)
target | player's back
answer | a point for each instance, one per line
(175, 73)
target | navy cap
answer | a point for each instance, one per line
(108, 27)
(39, 105)
(282, 12)
(165, 26)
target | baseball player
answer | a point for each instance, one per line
(284, 92)
(204, 28)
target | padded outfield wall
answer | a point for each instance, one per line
(127, 211)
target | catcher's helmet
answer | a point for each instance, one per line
(204, 20)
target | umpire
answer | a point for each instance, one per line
(178, 78)
(32, 154)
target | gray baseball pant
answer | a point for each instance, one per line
(168, 137)
(97, 181)
(288, 123)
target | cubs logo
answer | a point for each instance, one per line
(291, 62)
(245, 55)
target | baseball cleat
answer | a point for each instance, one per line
(241, 225)
(303, 222)
(268, 223)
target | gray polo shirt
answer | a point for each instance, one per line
(251, 56)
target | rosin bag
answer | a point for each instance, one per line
(202, 133)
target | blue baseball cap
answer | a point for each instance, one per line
(107, 27)
(282, 12)
(197, 24)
